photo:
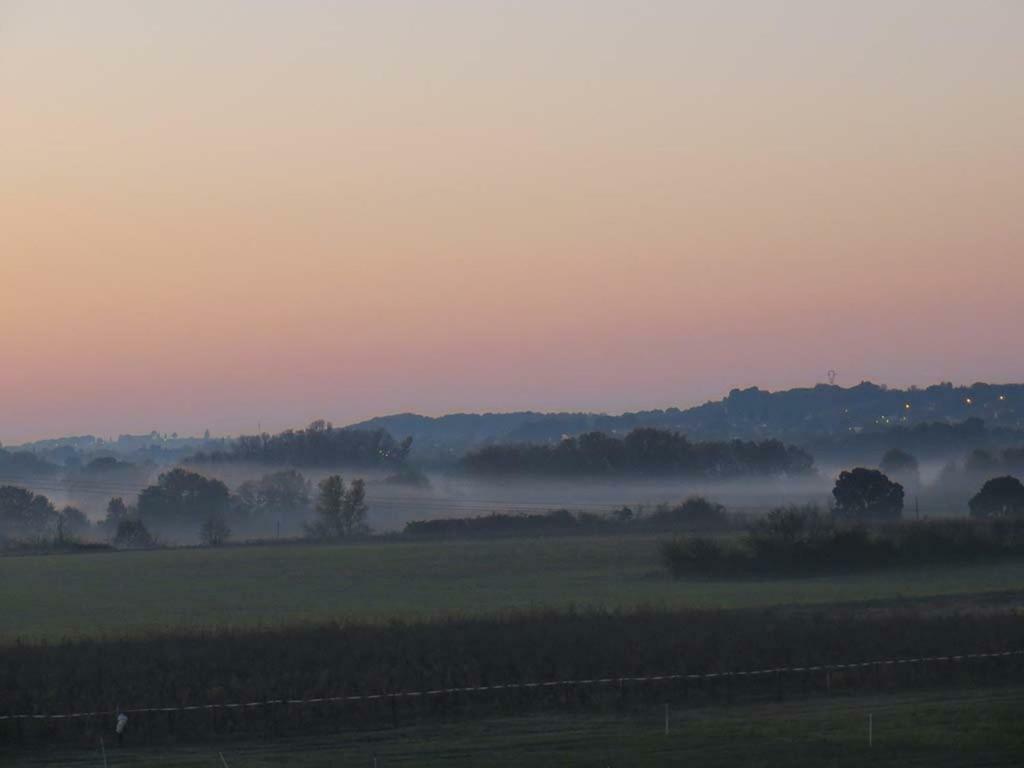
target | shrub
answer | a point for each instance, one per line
(694, 514)
(133, 534)
(1000, 496)
(505, 524)
(214, 531)
(408, 475)
(802, 540)
(695, 556)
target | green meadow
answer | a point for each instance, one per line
(113, 593)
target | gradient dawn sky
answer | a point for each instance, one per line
(220, 213)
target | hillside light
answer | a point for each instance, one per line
(968, 401)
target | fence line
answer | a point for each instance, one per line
(521, 686)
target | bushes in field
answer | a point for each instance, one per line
(410, 476)
(693, 514)
(132, 533)
(215, 531)
(803, 540)
(503, 524)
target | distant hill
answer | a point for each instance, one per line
(802, 416)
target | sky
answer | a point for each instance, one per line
(218, 214)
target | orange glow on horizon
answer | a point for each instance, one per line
(342, 211)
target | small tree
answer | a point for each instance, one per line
(117, 511)
(214, 531)
(133, 534)
(340, 511)
(329, 502)
(867, 493)
(1000, 496)
(71, 522)
(353, 509)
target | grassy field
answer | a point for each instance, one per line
(54, 596)
(957, 728)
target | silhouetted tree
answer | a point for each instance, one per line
(276, 495)
(214, 531)
(867, 493)
(117, 511)
(1000, 496)
(132, 534)
(23, 513)
(328, 506)
(181, 497)
(353, 509)
(340, 511)
(70, 522)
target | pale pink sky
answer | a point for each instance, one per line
(214, 214)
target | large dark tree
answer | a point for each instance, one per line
(867, 494)
(1000, 496)
(23, 513)
(181, 498)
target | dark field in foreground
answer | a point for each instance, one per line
(934, 729)
(55, 596)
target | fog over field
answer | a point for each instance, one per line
(490, 382)
(449, 494)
